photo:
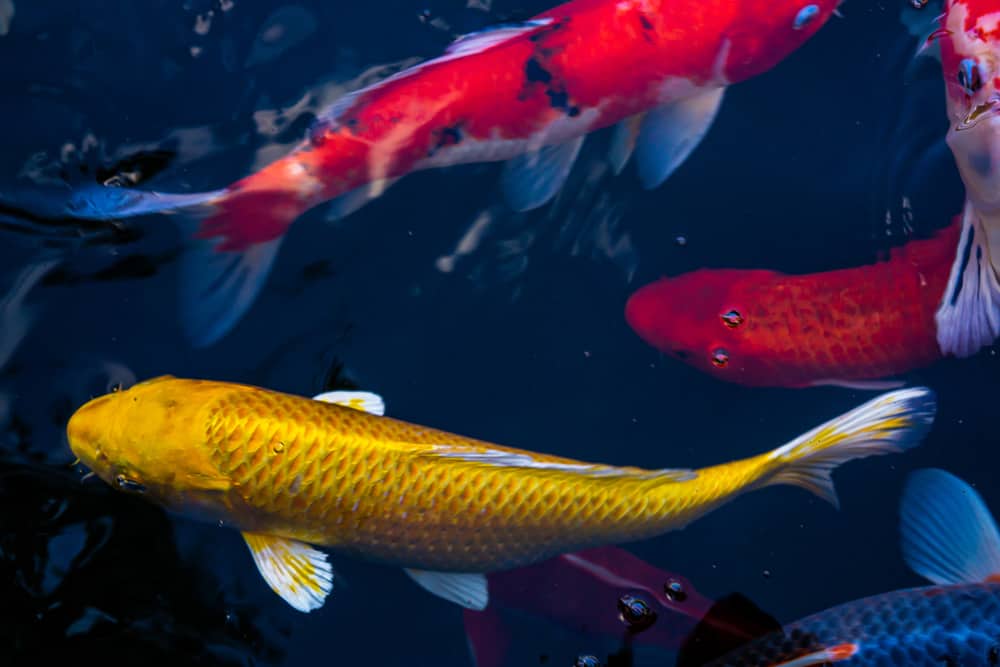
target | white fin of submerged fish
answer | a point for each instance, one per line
(623, 142)
(833, 654)
(487, 38)
(465, 590)
(886, 424)
(498, 457)
(218, 287)
(968, 317)
(862, 385)
(669, 133)
(348, 203)
(297, 572)
(948, 534)
(532, 179)
(365, 401)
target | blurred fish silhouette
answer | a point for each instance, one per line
(850, 327)
(527, 93)
(950, 538)
(580, 592)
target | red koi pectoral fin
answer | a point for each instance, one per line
(836, 653)
(668, 135)
(968, 317)
(948, 534)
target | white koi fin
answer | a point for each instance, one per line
(889, 423)
(359, 400)
(968, 317)
(297, 572)
(833, 654)
(623, 142)
(465, 590)
(481, 40)
(669, 133)
(348, 203)
(861, 385)
(507, 459)
(948, 534)
(532, 179)
(217, 287)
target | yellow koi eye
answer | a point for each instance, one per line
(123, 483)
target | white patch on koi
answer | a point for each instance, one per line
(721, 60)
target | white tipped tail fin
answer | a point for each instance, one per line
(968, 317)
(890, 423)
(948, 534)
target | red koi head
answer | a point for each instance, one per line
(970, 58)
(698, 319)
(765, 32)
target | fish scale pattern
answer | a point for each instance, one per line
(394, 492)
(946, 626)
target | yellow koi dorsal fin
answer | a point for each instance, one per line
(297, 572)
(832, 654)
(517, 459)
(365, 401)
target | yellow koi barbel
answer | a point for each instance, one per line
(290, 472)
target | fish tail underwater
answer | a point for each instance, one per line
(618, 234)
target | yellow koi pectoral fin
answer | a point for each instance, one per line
(359, 400)
(890, 423)
(297, 572)
(832, 654)
(466, 590)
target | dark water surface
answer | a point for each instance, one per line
(522, 342)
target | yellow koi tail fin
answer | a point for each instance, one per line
(891, 423)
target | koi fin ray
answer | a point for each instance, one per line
(300, 574)
(948, 534)
(623, 142)
(218, 287)
(504, 458)
(968, 317)
(533, 179)
(359, 400)
(892, 422)
(348, 203)
(671, 132)
(466, 590)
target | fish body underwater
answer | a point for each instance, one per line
(579, 592)
(969, 37)
(848, 327)
(290, 472)
(526, 93)
(950, 538)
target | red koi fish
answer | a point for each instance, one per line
(762, 328)
(527, 94)
(968, 36)
(582, 592)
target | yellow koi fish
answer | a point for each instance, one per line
(290, 472)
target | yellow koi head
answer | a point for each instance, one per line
(144, 440)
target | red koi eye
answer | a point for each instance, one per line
(720, 358)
